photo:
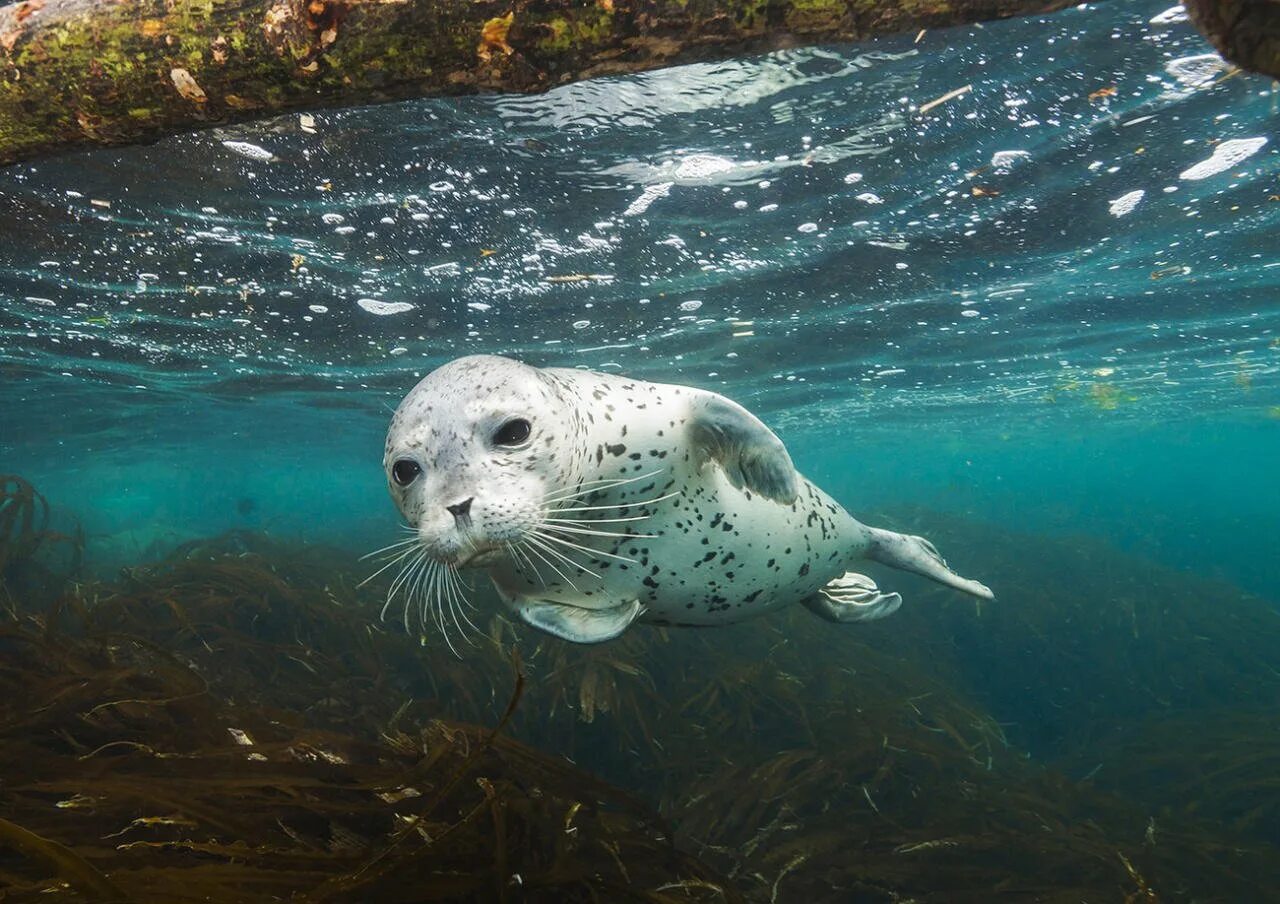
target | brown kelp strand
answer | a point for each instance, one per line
(34, 560)
(234, 723)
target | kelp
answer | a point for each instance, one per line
(234, 723)
(225, 726)
(34, 560)
(24, 519)
(1212, 767)
(171, 792)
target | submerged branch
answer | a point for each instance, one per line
(76, 73)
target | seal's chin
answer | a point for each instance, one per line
(478, 558)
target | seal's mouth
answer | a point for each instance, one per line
(478, 558)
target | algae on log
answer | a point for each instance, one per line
(113, 72)
(1245, 32)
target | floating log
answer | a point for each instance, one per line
(78, 73)
(1245, 32)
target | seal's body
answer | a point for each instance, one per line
(594, 501)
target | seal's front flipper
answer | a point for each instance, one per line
(852, 598)
(918, 554)
(752, 457)
(576, 624)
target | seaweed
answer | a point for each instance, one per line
(24, 518)
(224, 726)
(24, 536)
(234, 724)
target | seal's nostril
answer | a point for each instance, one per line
(461, 509)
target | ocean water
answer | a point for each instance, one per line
(1039, 318)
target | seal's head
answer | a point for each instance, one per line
(470, 456)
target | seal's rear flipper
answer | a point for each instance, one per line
(575, 624)
(852, 598)
(918, 555)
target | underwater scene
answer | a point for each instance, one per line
(1011, 287)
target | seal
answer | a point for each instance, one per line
(594, 502)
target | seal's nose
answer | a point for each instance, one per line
(461, 511)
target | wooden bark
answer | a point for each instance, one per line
(75, 73)
(1245, 32)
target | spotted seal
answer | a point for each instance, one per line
(594, 501)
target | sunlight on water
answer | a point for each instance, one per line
(1086, 227)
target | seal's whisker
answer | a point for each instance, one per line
(554, 524)
(414, 594)
(593, 486)
(461, 609)
(417, 591)
(533, 550)
(447, 599)
(426, 586)
(438, 603)
(597, 520)
(596, 486)
(418, 597)
(463, 586)
(444, 632)
(394, 561)
(382, 616)
(397, 545)
(536, 542)
(618, 505)
(405, 573)
(588, 549)
(510, 547)
(521, 557)
(433, 601)
(534, 565)
(406, 582)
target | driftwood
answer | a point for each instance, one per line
(77, 73)
(1245, 32)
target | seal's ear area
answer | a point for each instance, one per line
(753, 458)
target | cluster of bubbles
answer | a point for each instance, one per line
(925, 222)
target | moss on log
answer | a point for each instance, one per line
(76, 73)
(1245, 32)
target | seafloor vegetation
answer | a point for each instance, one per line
(232, 724)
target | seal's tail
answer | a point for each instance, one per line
(918, 555)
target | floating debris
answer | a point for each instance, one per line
(384, 308)
(250, 150)
(950, 95)
(1126, 203)
(1197, 71)
(578, 277)
(647, 197)
(1003, 162)
(1225, 155)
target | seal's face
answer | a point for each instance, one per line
(470, 457)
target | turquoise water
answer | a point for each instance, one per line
(1037, 320)
(968, 308)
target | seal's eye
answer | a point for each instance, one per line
(513, 432)
(405, 471)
